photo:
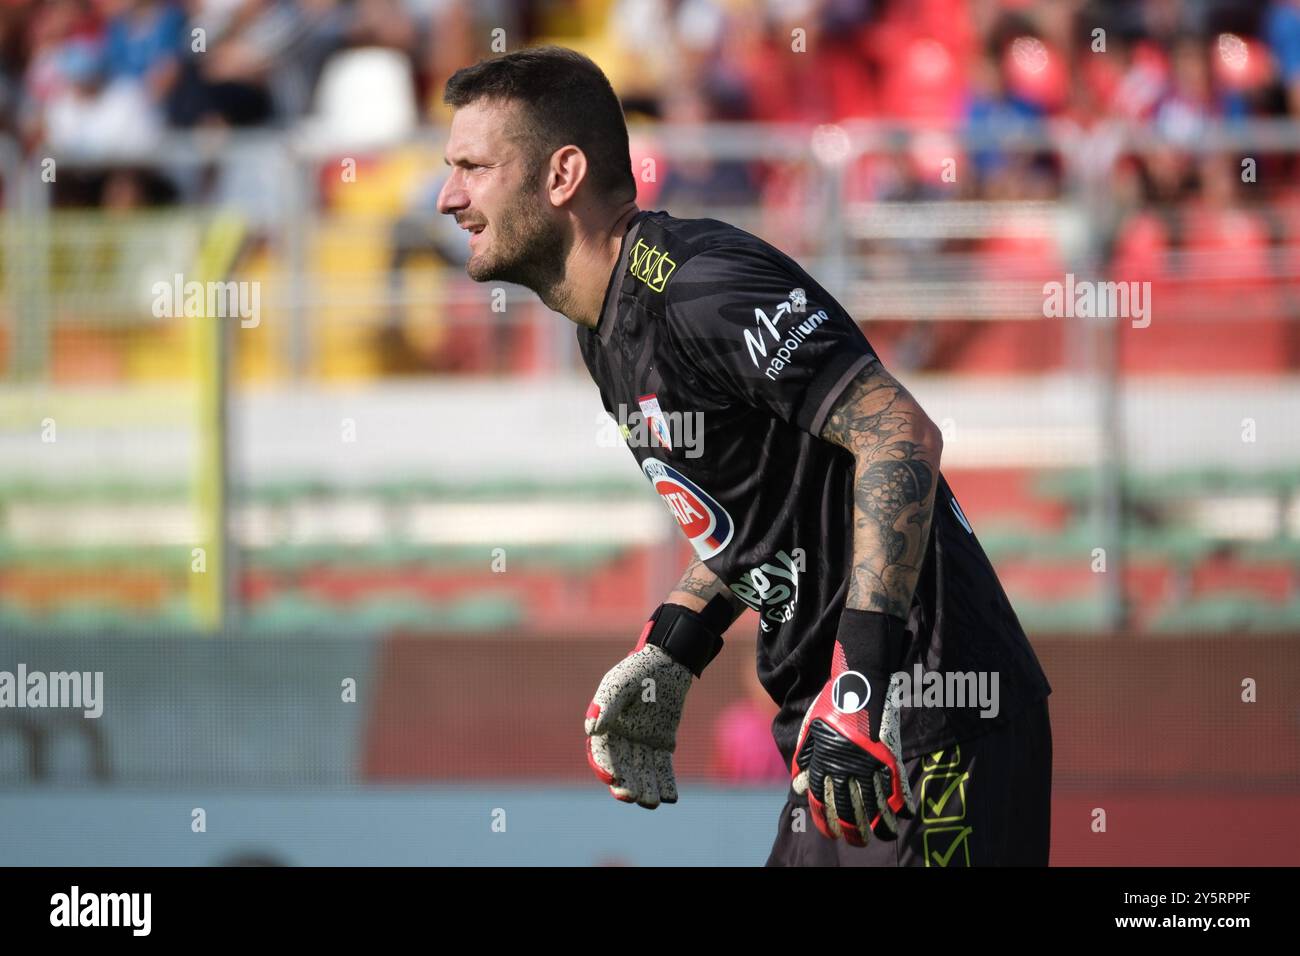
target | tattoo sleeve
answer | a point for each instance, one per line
(699, 585)
(896, 449)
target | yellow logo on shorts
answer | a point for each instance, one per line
(943, 800)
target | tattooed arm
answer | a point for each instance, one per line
(897, 449)
(699, 585)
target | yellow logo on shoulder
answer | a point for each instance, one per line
(651, 265)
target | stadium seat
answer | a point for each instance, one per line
(1269, 581)
(365, 98)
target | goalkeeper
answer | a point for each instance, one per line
(809, 488)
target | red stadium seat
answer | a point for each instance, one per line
(1019, 346)
(997, 495)
(1224, 575)
(1215, 304)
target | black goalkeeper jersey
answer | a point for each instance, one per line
(720, 359)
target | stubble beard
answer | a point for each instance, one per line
(527, 249)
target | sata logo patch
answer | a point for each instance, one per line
(705, 522)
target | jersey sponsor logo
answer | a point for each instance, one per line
(769, 332)
(650, 409)
(704, 522)
(961, 516)
(651, 265)
(850, 692)
(772, 588)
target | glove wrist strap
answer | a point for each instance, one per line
(873, 642)
(685, 635)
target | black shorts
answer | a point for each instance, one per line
(986, 802)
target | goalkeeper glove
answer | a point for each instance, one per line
(631, 723)
(848, 756)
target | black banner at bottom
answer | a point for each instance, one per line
(253, 904)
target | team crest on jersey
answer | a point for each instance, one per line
(655, 417)
(704, 522)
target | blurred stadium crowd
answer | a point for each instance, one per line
(106, 77)
(100, 83)
(254, 62)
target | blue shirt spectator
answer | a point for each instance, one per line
(1282, 29)
(141, 39)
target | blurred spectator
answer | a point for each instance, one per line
(47, 31)
(1188, 102)
(699, 182)
(244, 54)
(1243, 73)
(142, 43)
(408, 340)
(743, 749)
(1141, 80)
(92, 116)
(989, 109)
(45, 76)
(1282, 30)
(263, 58)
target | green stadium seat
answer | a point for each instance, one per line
(1274, 549)
(1180, 545)
(1003, 541)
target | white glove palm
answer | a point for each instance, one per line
(632, 723)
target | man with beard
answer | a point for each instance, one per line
(817, 500)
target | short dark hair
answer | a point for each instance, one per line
(566, 100)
